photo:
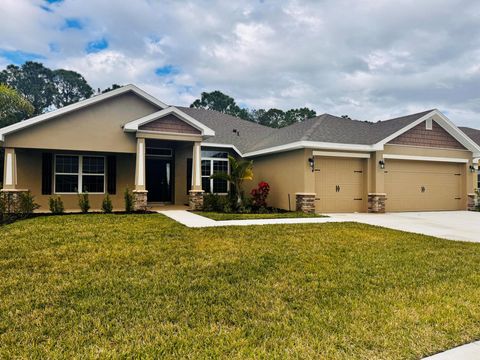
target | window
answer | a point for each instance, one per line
(214, 162)
(478, 179)
(78, 173)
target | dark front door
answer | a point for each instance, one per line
(159, 180)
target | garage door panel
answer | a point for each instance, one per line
(339, 184)
(441, 183)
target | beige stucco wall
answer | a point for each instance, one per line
(29, 169)
(94, 128)
(285, 172)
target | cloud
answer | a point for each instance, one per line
(370, 59)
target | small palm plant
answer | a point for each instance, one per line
(240, 170)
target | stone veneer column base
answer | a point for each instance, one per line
(472, 202)
(376, 203)
(305, 202)
(11, 198)
(195, 199)
(140, 200)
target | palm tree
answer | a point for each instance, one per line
(240, 170)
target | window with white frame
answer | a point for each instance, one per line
(79, 173)
(214, 162)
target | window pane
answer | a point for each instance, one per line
(66, 164)
(93, 165)
(66, 183)
(219, 186)
(206, 184)
(214, 154)
(92, 183)
(206, 168)
(220, 166)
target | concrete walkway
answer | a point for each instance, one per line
(465, 352)
(192, 220)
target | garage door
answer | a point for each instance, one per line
(424, 186)
(339, 185)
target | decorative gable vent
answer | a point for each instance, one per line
(428, 124)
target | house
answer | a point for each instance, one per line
(127, 138)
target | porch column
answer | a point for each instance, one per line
(196, 193)
(10, 171)
(140, 193)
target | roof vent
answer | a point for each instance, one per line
(235, 131)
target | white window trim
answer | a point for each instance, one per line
(211, 173)
(79, 174)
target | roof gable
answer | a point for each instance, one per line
(169, 123)
(80, 105)
(436, 137)
(136, 125)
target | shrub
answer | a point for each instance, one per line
(260, 194)
(56, 205)
(84, 202)
(26, 204)
(217, 203)
(128, 196)
(107, 206)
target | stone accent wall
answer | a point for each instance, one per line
(305, 202)
(472, 202)
(11, 198)
(140, 200)
(438, 137)
(170, 123)
(195, 199)
(376, 203)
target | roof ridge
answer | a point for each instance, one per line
(315, 125)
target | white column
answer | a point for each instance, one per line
(140, 165)
(10, 172)
(197, 167)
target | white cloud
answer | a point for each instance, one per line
(368, 59)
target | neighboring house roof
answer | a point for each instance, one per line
(473, 134)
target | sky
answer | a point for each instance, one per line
(369, 59)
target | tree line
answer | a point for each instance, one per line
(32, 89)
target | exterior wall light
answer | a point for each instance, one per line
(311, 162)
(382, 164)
(472, 168)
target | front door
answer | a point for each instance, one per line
(159, 179)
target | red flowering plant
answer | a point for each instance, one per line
(260, 194)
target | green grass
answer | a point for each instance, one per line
(285, 215)
(143, 286)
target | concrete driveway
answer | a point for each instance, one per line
(453, 225)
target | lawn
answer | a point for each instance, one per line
(281, 215)
(143, 286)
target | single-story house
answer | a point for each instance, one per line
(127, 138)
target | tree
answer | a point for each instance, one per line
(71, 87)
(32, 80)
(293, 116)
(13, 106)
(276, 118)
(113, 87)
(272, 118)
(240, 170)
(216, 100)
(45, 88)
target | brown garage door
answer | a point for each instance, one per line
(424, 186)
(339, 185)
